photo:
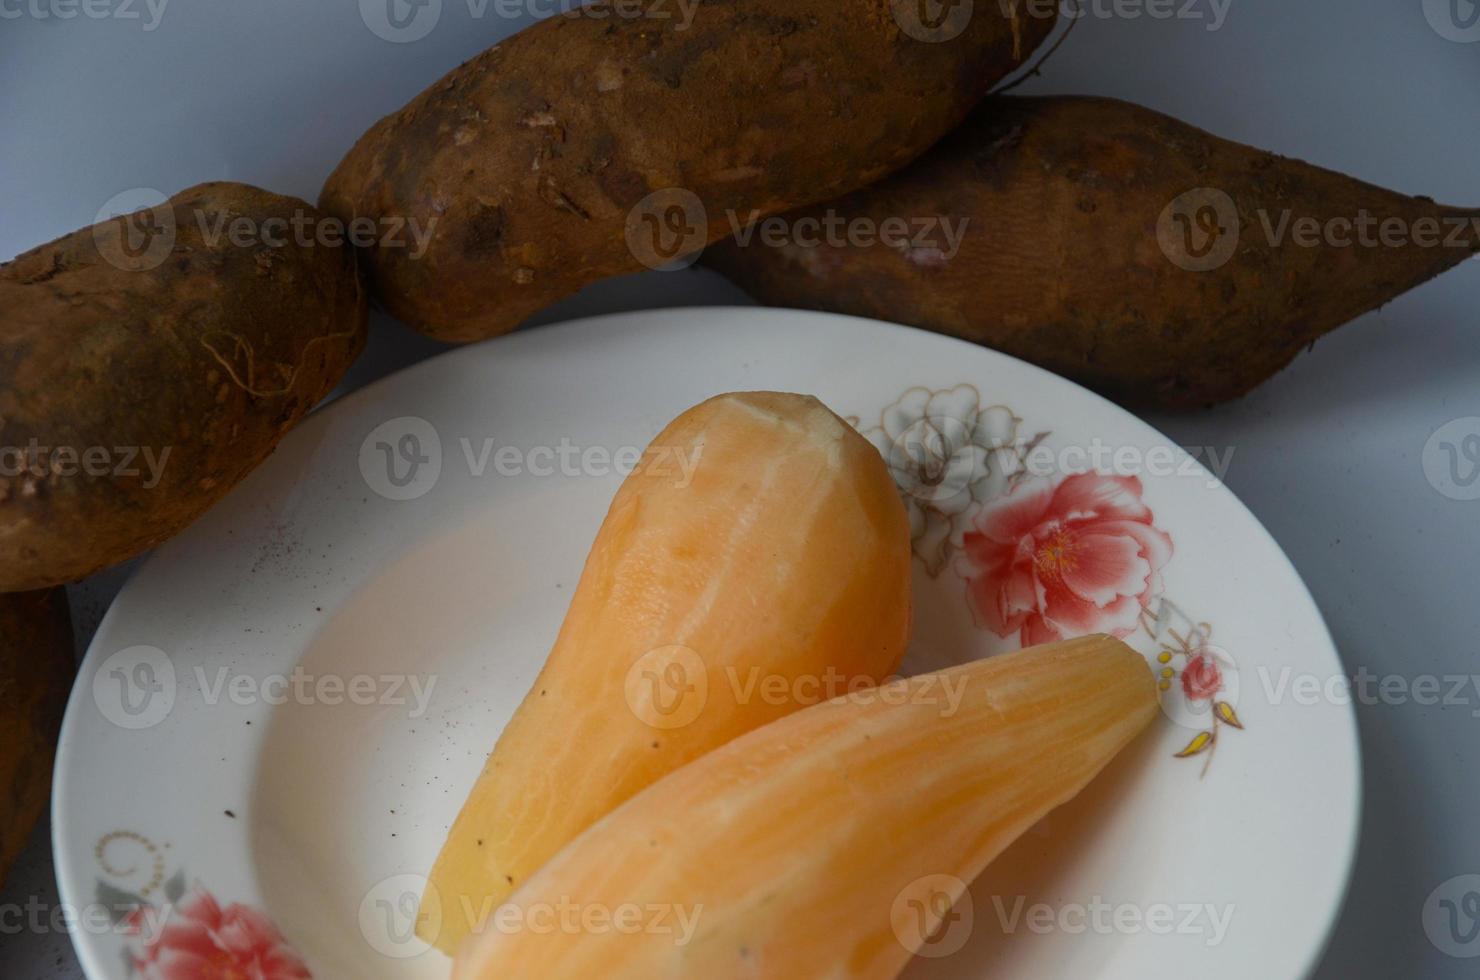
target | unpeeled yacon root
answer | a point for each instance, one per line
(775, 574)
(532, 165)
(36, 669)
(1144, 258)
(811, 847)
(149, 363)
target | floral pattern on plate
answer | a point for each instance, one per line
(190, 935)
(1043, 557)
(948, 453)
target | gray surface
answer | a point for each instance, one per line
(1329, 455)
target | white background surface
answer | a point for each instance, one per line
(1329, 455)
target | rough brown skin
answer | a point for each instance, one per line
(531, 157)
(213, 356)
(1061, 263)
(36, 668)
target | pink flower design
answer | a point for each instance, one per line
(1202, 677)
(202, 941)
(1051, 561)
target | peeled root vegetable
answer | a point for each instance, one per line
(531, 166)
(36, 670)
(710, 605)
(808, 847)
(1147, 259)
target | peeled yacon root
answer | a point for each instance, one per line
(783, 559)
(1144, 258)
(810, 847)
(149, 363)
(532, 165)
(36, 670)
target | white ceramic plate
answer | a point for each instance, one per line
(282, 712)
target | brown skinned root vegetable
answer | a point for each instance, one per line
(36, 669)
(1142, 257)
(149, 363)
(531, 166)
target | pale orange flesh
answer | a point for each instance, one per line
(796, 851)
(786, 556)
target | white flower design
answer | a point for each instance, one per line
(946, 453)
